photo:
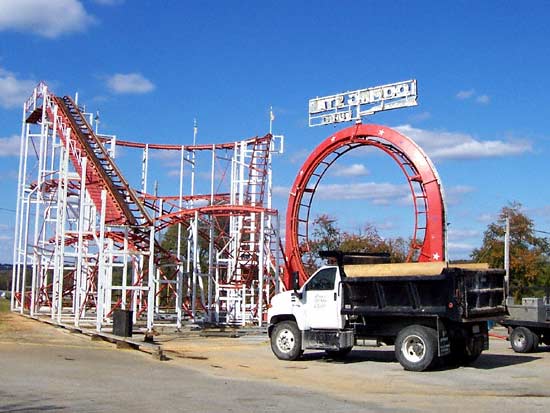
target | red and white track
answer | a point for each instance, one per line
(428, 238)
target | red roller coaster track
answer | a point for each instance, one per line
(428, 239)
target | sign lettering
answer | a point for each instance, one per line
(349, 106)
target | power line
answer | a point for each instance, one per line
(7, 209)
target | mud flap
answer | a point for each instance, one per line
(443, 342)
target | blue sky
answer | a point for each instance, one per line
(151, 67)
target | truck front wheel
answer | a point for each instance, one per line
(286, 341)
(416, 347)
(523, 340)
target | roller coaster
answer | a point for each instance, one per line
(88, 242)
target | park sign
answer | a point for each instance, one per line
(351, 106)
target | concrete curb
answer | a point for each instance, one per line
(155, 350)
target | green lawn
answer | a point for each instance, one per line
(4, 305)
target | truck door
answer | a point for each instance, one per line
(322, 301)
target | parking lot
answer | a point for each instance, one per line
(44, 367)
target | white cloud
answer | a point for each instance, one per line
(379, 193)
(10, 146)
(486, 218)
(470, 93)
(455, 194)
(13, 91)
(465, 94)
(47, 18)
(483, 99)
(129, 83)
(460, 246)
(299, 156)
(461, 233)
(387, 225)
(419, 117)
(456, 145)
(280, 191)
(172, 156)
(173, 173)
(543, 211)
(355, 169)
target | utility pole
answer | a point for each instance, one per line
(507, 256)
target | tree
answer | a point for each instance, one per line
(326, 235)
(529, 254)
(369, 240)
(170, 243)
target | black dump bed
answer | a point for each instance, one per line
(458, 294)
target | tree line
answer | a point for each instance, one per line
(529, 253)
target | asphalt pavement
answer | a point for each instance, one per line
(43, 368)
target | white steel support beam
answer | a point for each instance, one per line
(100, 308)
(80, 274)
(150, 281)
(261, 267)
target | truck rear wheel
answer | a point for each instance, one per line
(464, 351)
(416, 347)
(286, 341)
(523, 340)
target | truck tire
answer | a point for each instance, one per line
(463, 354)
(286, 341)
(338, 354)
(473, 356)
(416, 347)
(536, 342)
(523, 340)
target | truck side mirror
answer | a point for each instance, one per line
(295, 281)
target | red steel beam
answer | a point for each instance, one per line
(431, 248)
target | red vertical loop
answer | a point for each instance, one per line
(429, 228)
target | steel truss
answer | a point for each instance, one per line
(87, 242)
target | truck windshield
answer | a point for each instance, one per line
(323, 280)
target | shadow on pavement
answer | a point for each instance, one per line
(484, 362)
(355, 356)
(495, 361)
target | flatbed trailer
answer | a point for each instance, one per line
(528, 324)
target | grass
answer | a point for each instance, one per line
(4, 308)
(4, 305)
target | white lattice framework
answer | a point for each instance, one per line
(73, 265)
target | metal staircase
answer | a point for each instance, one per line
(250, 235)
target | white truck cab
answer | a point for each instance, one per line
(310, 317)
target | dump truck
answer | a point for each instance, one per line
(528, 323)
(430, 312)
